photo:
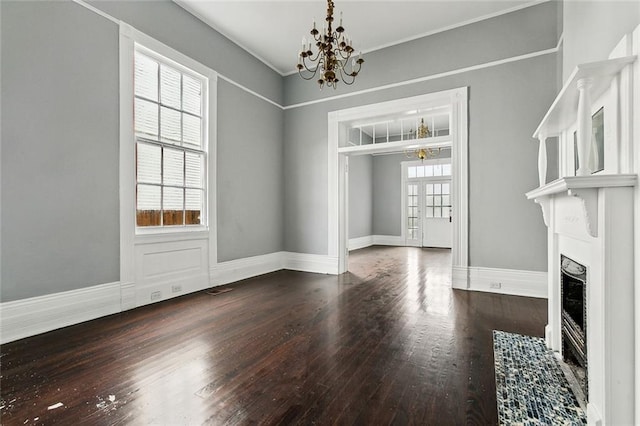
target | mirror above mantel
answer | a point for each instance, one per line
(582, 98)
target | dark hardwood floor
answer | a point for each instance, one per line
(387, 343)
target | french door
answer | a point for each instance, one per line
(428, 212)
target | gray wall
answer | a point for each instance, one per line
(250, 178)
(387, 192)
(167, 22)
(506, 104)
(387, 195)
(60, 133)
(60, 208)
(593, 28)
(60, 137)
(525, 31)
(360, 195)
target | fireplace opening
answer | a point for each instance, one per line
(574, 318)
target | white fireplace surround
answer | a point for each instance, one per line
(591, 219)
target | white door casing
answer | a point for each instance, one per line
(426, 212)
(457, 101)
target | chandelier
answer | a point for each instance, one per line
(333, 58)
(422, 153)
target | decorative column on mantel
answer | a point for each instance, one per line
(584, 126)
(542, 159)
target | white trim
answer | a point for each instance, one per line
(252, 92)
(376, 240)
(127, 296)
(155, 48)
(457, 25)
(98, 11)
(360, 242)
(395, 147)
(188, 9)
(389, 240)
(241, 269)
(453, 99)
(315, 263)
(35, 315)
(186, 6)
(137, 290)
(634, 151)
(374, 89)
(127, 195)
(248, 267)
(427, 78)
(593, 415)
(28, 317)
(171, 237)
(460, 178)
(560, 41)
(512, 281)
(460, 277)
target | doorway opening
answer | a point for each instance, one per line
(380, 122)
(426, 204)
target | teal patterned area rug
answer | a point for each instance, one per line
(531, 388)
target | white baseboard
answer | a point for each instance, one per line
(29, 317)
(320, 264)
(360, 242)
(388, 240)
(548, 336)
(510, 281)
(35, 315)
(127, 296)
(376, 240)
(248, 267)
(166, 289)
(593, 415)
(460, 277)
(241, 269)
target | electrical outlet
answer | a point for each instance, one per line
(495, 284)
(176, 288)
(156, 295)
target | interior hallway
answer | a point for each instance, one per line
(388, 342)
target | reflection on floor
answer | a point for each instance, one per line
(388, 341)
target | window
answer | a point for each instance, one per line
(412, 211)
(171, 147)
(429, 170)
(438, 200)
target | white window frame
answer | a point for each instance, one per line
(129, 237)
(179, 66)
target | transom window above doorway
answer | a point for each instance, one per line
(414, 125)
(429, 170)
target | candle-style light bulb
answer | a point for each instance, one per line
(314, 22)
(340, 18)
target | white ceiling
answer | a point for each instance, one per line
(273, 30)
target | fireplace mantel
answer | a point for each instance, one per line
(592, 214)
(583, 187)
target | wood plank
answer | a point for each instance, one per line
(387, 343)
